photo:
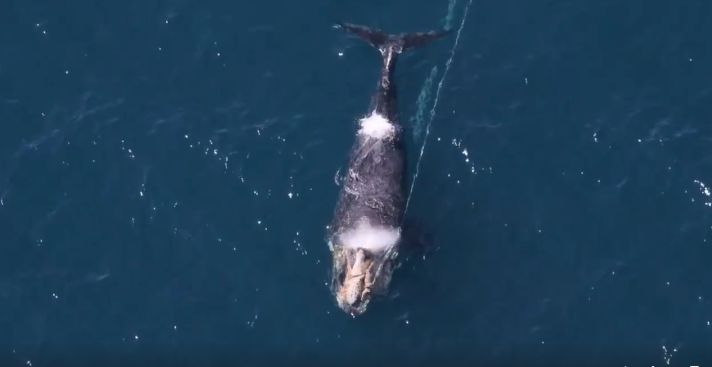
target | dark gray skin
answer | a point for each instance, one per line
(374, 185)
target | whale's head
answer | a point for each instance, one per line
(362, 260)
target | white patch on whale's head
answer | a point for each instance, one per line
(376, 126)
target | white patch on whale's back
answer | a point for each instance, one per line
(371, 238)
(376, 126)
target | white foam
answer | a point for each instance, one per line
(371, 238)
(376, 126)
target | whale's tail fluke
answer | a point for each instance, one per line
(390, 46)
(383, 41)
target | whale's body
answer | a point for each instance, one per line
(366, 228)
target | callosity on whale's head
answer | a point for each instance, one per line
(362, 265)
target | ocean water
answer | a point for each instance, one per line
(167, 169)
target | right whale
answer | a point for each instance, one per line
(365, 232)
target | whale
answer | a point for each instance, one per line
(365, 232)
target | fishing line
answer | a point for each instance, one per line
(437, 97)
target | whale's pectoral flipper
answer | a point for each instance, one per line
(380, 39)
(417, 237)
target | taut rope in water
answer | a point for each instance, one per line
(437, 97)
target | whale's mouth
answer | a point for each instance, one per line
(362, 266)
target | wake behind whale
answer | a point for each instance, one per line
(365, 231)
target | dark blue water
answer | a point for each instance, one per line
(167, 170)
